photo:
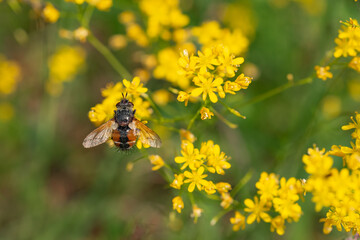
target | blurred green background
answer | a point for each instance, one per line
(53, 188)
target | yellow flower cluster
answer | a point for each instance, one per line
(195, 163)
(336, 189)
(10, 75)
(323, 72)
(208, 70)
(102, 5)
(210, 34)
(133, 30)
(348, 40)
(163, 16)
(112, 94)
(63, 66)
(280, 196)
(50, 13)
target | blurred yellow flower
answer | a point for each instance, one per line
(10, 75)
(187, 135)
(50, 13)
(157, 161)
(178, 181)
(257, 210)
(226, 200)
(206, 113)
(102, 5)
(196, 213)
(183, 97)
(238, 221)
(178, 204)
(161, 97)
(136, 33)
(323, 72)
(126, 17)
(81, 34)
(354, 89)
(331, 106)
(223, 187)
(277, 223)
(117, 41)
(65, 63)
(355, 64)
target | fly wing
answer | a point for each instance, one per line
(146, 135)
(100, 135)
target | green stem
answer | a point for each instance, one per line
(109, 57)
(194, 117)
(242, 182)
(227, 122)
(277, 90)
(85, 21)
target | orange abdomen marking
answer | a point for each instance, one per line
(124, 138)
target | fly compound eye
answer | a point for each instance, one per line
(118, 105)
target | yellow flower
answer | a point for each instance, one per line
(10, 75)
(113, 91)
(316, 162)
(206, 60)
(65, 63)
(117, 41)
(226, 200)
(268, 186)
(187, 135)
(102, 5)
(157, 161)
(207, 86)
(81, 34)
(190, 156)
(168, 68)
(206, 113)
(161, 97)
(183, 97)
(136, 33)
(355, 64)
(238, 221)
(228, 63)
(102, 112)
(223, 187)
(134, 88)
(178, 181)
(287, 208)
(354, 125)
(187, 64)
(126, 17)
(323, 72)
(218, 161)
(207, 148)
(243, 81)
(210, 188)
(196, 179)
(257, 210)
(348, 40)
(50, 13)
(178, 204)
(231, 87)
(277, 223)
(196, 213)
